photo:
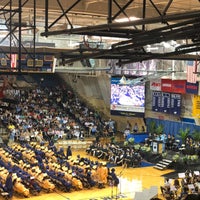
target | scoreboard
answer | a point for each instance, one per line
(166, 102)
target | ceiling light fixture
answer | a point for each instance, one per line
(127, 19)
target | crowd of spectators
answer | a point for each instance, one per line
(36, 119)
(51, 114)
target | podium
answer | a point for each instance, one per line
(158, 146)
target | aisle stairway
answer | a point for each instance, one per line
(163, 164)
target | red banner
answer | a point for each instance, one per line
(174, 86)
(13, 60)
(166, 85)
(179, 86)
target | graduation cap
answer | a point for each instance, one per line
(94, 167)
(69, 157)
(14, 176)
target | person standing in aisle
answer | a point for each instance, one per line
(9, 185)
(69, 152)
(135, 128)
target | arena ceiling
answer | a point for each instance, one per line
(155, 22)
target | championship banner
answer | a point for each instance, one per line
(166, 85)
(191, 68)
(166, 102)
(156, 101)
(175, 104)
(178, 86)
(196, 106)
(155, 85)
(169, 103)
(192, 88)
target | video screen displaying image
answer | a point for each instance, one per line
(127, 96)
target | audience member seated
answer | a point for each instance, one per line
(165, 187)
(51, 114)
(188, 189)
(135, 128)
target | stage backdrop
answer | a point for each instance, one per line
(171, 127)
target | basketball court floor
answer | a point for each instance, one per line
(132, 181)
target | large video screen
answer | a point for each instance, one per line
(127, 96)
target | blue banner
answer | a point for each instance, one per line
(169, 103)
(175, 104)
(156, 101)
(165, 102)
(192, 88)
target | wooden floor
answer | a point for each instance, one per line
(131, 180)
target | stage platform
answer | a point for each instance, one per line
(138, 137)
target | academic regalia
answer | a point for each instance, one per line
(20, 188)
(114, 177)
(69, 152)
(9, 185)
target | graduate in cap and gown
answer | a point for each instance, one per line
(9, 184)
